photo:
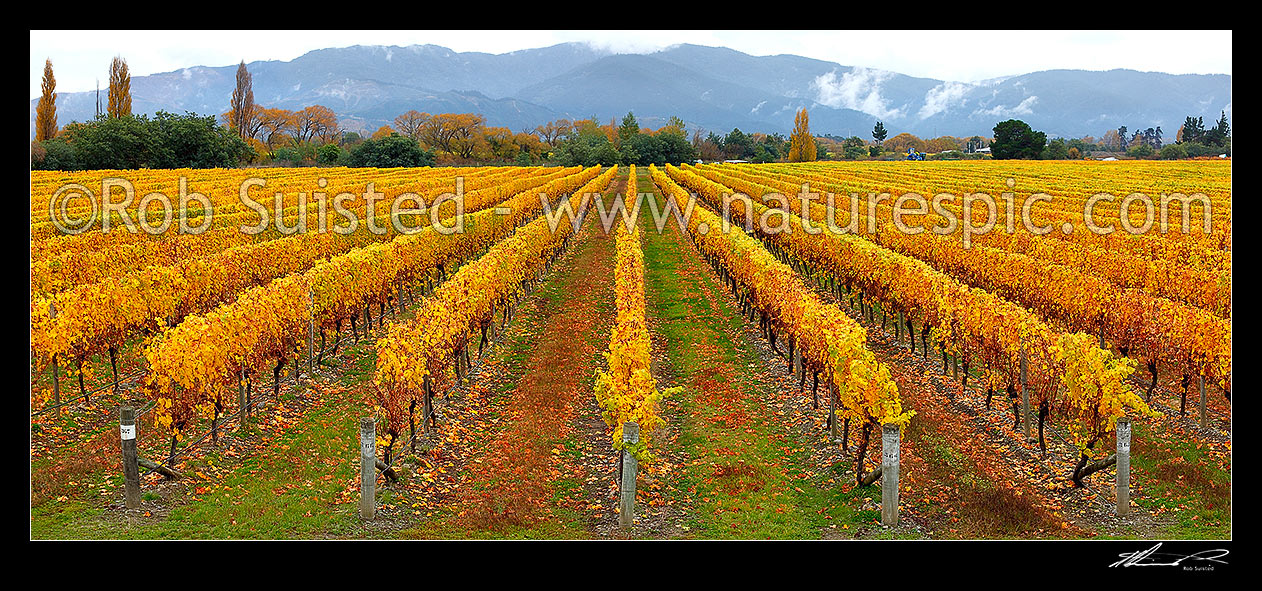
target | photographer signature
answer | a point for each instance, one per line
(1151, 557)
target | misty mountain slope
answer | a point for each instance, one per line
(655, 90)
(783, 75)
(379, 110)
(712, 88)
(439, 68)
(1071, 103)
(614, 85)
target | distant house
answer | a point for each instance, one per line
(1109, 159)
(985, 150)
(735, 162)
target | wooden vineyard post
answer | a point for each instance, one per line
(889, 475)
(52, 313)
(832, 411)
(1025, 400)
(1204, 410)
(797, 362)
(131, 468)
(1123, 466)
(56, 383)
(630, 436)
(427, 406)
(898, 330)
(367, 467)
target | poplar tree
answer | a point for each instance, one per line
(120, 89)
(242, 102)
(46, 110)
(801, 143)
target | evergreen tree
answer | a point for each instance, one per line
(879, 133)
(629, 129)
(1222, 126)
(1015, 140)
(1218, 134)
(737, 145)
(1193, 130)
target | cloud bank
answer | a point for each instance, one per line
(858, 89)
(1023, 108)
(942, 97)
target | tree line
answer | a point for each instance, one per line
(118, 139)
(251, 133)
(1017, 140)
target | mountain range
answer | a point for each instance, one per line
(711, 88)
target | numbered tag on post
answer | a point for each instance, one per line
(889, 455)
(127, 431)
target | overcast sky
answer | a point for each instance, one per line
(80, 58)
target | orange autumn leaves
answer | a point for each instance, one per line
(420, 350)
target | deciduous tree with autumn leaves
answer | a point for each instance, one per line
(120, 89)
(801, 143)
(46, 110)
(242, 115)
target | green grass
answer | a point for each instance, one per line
(753, 490)
(287, 487)
(1184, 482)
(565, 524)
(286, 492)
